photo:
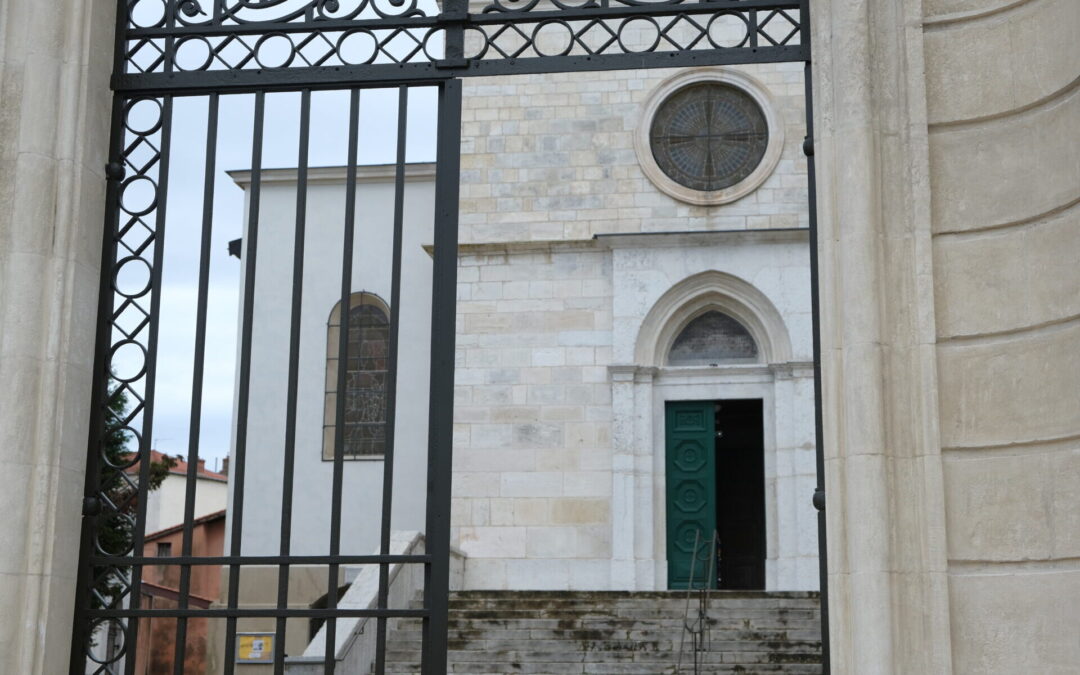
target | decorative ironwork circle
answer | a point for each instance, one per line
(709, 136)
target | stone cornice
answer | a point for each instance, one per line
(372, 173)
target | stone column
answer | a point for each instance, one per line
(645, 484)
(623, 493)
(889, 605)
(55, 61)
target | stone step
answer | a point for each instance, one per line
(736, 653)
(598, 626)
(617, 633)
(613, 668)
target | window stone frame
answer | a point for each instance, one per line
(732, 78)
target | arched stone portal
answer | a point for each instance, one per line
(646, 386)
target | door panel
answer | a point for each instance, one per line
(691, 490)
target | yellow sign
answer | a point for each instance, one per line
(254, 647)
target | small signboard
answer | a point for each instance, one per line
(254, 647)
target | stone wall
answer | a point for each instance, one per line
(549, 157)
(545, 495)
(948, 143)
(532, 483)
(1003, 112)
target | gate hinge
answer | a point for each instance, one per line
(91, 506)
(808, 146)
(819, 499)
(115, 171)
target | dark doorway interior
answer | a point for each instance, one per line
(740, 493)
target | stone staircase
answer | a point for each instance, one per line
(618, 633)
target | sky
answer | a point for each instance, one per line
(328, 147)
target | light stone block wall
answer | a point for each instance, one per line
(544, 496)
(532, 446)
(551, 157)
(1003, 113)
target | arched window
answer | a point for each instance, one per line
(366, 358)
(711, 338)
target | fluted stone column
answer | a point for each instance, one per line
(889, 610)
(55, 60)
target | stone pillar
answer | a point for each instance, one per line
(623, 493)
(888, 590)
(55, 61)
(647, 457)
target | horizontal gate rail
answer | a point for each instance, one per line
(268, 612)
(263, 560)
(241, 48)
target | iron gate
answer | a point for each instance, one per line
(168, 51)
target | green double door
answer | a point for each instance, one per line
(715, 483)
(691, 491)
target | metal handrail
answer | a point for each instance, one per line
(698, 628)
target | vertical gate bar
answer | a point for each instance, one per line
(441, 404)
(293, 377)
(236, 470)
(344, 307)
(391, 381)
(100, 394)
(131, 640)
(815, 320)
(197, 367)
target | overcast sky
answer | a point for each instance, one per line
(329, 134)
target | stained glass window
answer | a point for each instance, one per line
(709, 136)
(367, 351)
(711, 338)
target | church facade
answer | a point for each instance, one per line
(606, 277)
(634, 376)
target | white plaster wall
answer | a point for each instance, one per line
(312, 478)
(165, 505)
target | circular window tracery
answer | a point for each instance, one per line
(708, 136)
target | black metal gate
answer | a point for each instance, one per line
(171, 51)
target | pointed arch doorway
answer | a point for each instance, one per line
(714, 455)
(714, 339)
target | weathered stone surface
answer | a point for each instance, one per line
(1008, 169)
(1008, 279)
(974, 70)
(619, 633)
(1017, 388)
(1005, 619)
